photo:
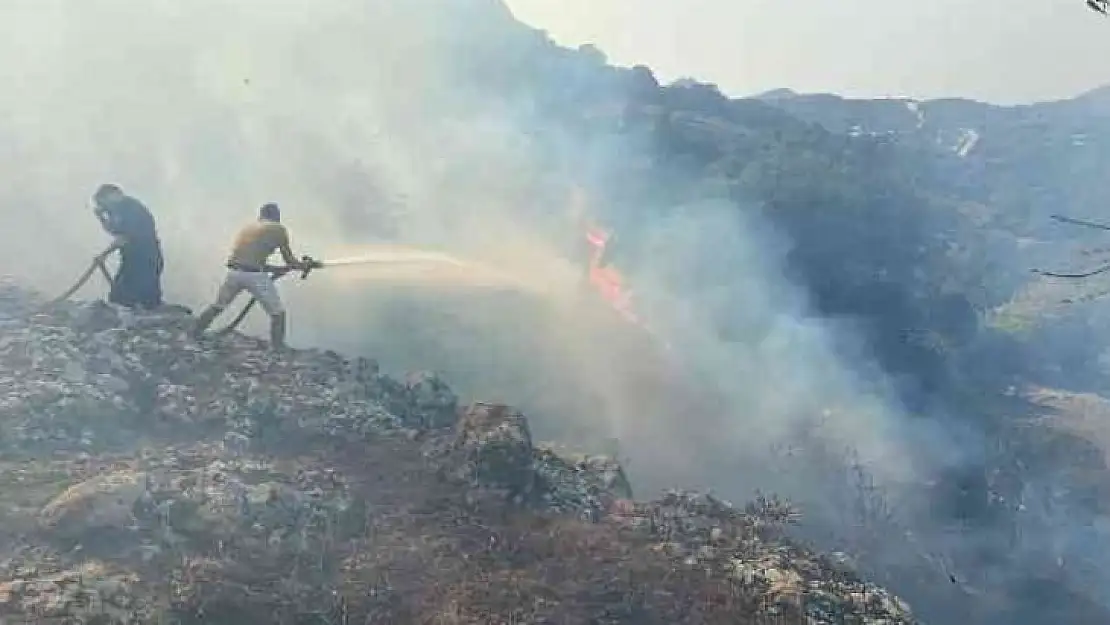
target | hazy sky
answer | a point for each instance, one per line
(995, 50)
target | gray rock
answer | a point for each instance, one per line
(493, 448)
(105, 501)
(431, 403)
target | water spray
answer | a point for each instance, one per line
(385, 258)
(394, 257)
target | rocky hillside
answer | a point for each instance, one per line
(151, 479)
(1027, 161)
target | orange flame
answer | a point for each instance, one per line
(608, 281)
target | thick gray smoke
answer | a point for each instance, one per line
(354, 117)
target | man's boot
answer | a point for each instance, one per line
(204, 320)
(277, 332)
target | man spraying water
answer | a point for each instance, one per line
(247, 271)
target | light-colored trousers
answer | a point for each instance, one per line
(257, 283)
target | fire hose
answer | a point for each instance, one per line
(308, 265)
(97, 263)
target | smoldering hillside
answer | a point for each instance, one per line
(788, 336)
(367, 124)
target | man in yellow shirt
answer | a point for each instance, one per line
(247, 271)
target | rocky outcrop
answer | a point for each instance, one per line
(706, 533)
(89, 374)
(104, 501)
(147, 478)
(493, 453)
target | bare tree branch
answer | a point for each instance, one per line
(1086, 274)
(1081, 222)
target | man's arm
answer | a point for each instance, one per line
(287, 252)
(112, 223)
(117, 242)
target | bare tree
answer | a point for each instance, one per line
(1102, 6)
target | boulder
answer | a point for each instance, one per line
(585, 485)
(493, 451)
(105, 501)
(431, 402)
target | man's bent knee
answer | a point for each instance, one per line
(272, 306)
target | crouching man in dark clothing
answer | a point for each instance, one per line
(138, 281)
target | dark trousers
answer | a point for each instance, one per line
(138, 281)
